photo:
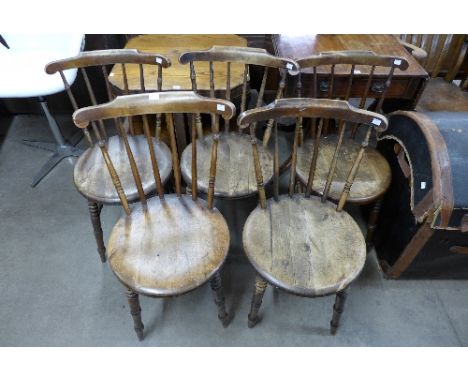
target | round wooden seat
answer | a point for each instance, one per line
(92, 177)
(304, 246)
(235, 173)
(172, 248)
(372, 179)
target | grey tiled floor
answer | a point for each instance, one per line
(55, 291)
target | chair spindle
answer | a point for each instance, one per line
(353, 171)
(313, 164)
(292, 177)
(158, 116)
(258, 172)
(126, 92)
(115, 177)
(101, 132)
(154, 161)
(228, 92)
(214, 158)
(244, 88)
(174, 151)
(88, 137)
(131, 159)
(260, 96)
(362, 102)
(276, 163)
(194, 186)
(279, 94)
(331, 171)
(193, 78)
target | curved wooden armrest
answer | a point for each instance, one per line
(154, 103)
(313, 108)
(107, 57)
(418, 53)
(350, 57)
(252, 56)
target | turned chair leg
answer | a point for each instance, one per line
(259, 291)
(372, 223)
(219, 299)
(135, 311)
(337, 310)
(95, 213)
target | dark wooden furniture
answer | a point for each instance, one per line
(235, 166)
(443, 57)
(423, 224)
(301, 243)
(173, 243)
(406, 85)
(373, 177)
(90, 175)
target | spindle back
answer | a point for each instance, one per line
(324, 78)
(442, 54)
(103, 58)
(312, 108)
(239, 55)
(168, 103)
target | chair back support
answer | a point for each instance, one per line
(245, 56)
(185, 102)
(441, 52)
(103, 58)
(353, 58)
(299, 108)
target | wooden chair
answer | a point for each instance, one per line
(173, 243)
(236, 178)
(304, 244)
(90, 174)
(374, 175)
(442, 56)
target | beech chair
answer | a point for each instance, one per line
(442, 56)
(339, 149)
(300, 243)
(170, 244)
(90, 174)
(236, 178)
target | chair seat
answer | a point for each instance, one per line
(372, 179)
(235, 173)
(304, 246)
(92, 177)
(440, 95)
(171, 248)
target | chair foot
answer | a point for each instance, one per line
(95, 214)
(219, 299)
(257, 298)
(59, 152)
(337, 311)
(135, 311)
